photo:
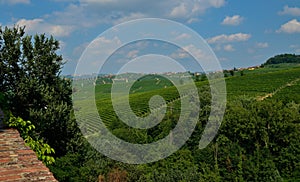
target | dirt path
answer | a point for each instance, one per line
(261, 98)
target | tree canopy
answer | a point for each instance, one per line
(30, 80)
(283, 58)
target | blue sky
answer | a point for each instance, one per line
(241, 33)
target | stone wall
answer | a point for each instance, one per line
(17, 161)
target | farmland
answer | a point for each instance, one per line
(261, 82)
(279, 82)
(260, 125)
(257, 140)
(254, 84)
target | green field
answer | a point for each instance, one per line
(263, 81)
(253, 99)
(271, 82)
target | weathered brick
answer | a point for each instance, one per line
(18, 162)
(11, 172)
(5, 160)
(26, 151)
(13, 177)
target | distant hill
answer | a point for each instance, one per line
(283, 58)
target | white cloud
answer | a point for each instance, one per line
(233, 20)
(192, 20)
(189, 10)
(132, 54)
(238, 37)
(217, 3)
(40, 26)
(62, 45)
(129, 17)
(107, 41)
(294, 11)
(179, 11)
(14, 2)
(293, 46)
(229, 48)
(96, 53)
(90, 13)
(183, 36)
(196, 52)
(223, 59)
(202, 55)
(292, 26)
(103, 46)
(218, 47)
(262, 45)
(179, 54)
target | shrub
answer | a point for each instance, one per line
(43, 150)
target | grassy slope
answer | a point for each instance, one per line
(272, 80)
(253, 84)
(263, 81)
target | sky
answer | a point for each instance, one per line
(241, 33)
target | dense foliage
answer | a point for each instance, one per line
(30, 80)
(258, 141)
(283, 58)
(43, 150)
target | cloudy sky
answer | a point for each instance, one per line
(241, 33)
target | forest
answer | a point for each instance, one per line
(283, 58)
(258, 139)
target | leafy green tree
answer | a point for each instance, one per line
(231, 72)
(30, 78)
(283, 58)
(242, 73)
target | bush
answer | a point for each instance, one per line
(43, 150)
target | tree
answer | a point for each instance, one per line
(30, 79)
(283, 58)
(242, 73)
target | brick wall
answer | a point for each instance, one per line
(18, 162)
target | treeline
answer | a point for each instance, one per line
(283, 58)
